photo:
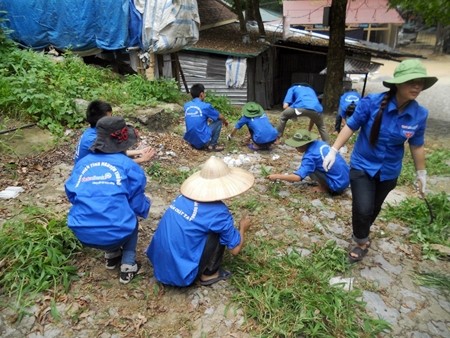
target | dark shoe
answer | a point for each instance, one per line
(128, 272)
(251, 146)
(215, 148)
(112, 259)
(223, 275)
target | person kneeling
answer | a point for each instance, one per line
(334, 181)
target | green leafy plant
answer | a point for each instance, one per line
(167, 175)
(290, 296)
(415, 214)
(223, 105)
(434, 279)
(36, 255)
(436, 162)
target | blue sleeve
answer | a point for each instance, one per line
(362, 114)
(137, 182)
(223, 224)
(242, 122)
(289, 98)
(209, 111)
(307, 166)
(419, 136)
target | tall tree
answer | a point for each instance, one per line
(433, 12)
(335, 56)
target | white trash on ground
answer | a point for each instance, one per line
(11, 192)
(346, 283)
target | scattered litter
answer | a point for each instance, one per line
(236, 162)
(275, 157)
(346, 283)
(11, 192)
(171, 153)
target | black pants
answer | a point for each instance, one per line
(212, 256)
(368, 194)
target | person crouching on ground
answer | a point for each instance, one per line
(199, 133)
(94, 112)
(106, 190)
(386, 121)
(261, 131)
(191, 237)
(334, 181)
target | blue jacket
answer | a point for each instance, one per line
(107, 194)
(260, 127)
(87, 139)
(396, 129)
(196, 115)
(303, 97)
(338, 177)
(346, 99)
(179, 240)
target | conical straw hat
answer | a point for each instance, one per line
(216, 181)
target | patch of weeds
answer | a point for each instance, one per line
(167, 175)
(222, 104)
(415, 214)
(36, 255)
(434, 279)
(436, 165)
(251, 204)
(290, 296)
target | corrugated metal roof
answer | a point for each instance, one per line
(353, 66)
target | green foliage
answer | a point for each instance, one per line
(432, 11)
(167, 175)
(414, 213)
(436, 163)
(223, 105)
(290, 296)
(438, 280)
(37, 88)
(36, 254)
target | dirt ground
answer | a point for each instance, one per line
(99, 306)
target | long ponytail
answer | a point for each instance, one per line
(375, 131)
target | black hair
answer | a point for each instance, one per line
(96, 110)
(375, 130)
(197, 89)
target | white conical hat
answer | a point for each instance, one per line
(216, 181)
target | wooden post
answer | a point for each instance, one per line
(150, 71)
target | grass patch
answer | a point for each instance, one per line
(289, 296)
(434, 279)
(167, 175)
(414, 213)
(436, 165)
(36, 255)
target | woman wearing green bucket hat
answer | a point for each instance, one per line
(386, 121)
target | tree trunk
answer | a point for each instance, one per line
(335, 57)
(258, 18)
(242, 24)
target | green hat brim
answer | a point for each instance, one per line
(428, 80)
(298, 143)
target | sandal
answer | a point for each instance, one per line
(251, 146)
(359, 254)
(223, 275)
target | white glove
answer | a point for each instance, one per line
(328, 161)
(421, 180)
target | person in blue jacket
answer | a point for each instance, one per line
(385, 122)
(94, 112)
(191, 237)
(347, 104)
(261, 131)
(106, 189)
(301, 100)
(334, 181)
(203, 122)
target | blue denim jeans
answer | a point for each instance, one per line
(216, 127)
(368, 194)
(128, 247)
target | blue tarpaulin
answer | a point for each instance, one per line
(72, 24)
